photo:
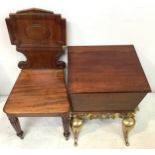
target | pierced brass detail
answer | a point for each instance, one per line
(79, 117)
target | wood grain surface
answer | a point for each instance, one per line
(38, 92)
(40, 35)
(103, 102)
(105, 69)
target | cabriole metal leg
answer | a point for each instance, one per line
(127, 124)
(76, 125)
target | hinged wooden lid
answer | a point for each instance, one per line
(95, 69)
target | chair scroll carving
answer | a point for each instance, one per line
(40, 35)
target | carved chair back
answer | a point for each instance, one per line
(40, 35)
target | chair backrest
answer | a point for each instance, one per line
(40, 35)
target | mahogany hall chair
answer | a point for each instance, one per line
(40, 88)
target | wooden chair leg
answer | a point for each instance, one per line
(66, 124)
(16, 125)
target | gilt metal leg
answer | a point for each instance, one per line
(76, 125)
(128, 123)
(66, 122)
(16, 125)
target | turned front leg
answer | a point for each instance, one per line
(66, 124)
(127, 124)
(16, 125)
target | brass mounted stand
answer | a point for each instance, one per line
(128, 122)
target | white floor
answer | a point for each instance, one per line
(47, 132)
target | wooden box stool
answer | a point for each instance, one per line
(105, 82)
(40, 88)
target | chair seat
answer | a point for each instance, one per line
(38, 92)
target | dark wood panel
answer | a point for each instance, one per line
(105, 69)
(40, 35)
(42, 58)
(36, 28)
(105, 101)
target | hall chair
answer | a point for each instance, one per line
(39, 90)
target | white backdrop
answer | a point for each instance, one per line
(90, 22)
